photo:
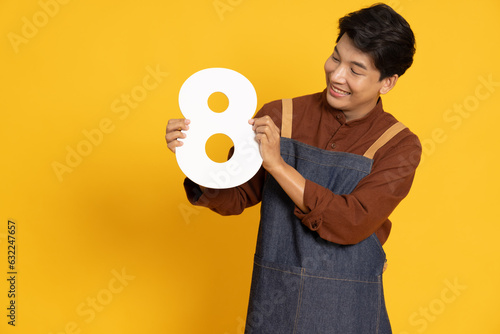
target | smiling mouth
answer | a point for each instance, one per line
(339, 91)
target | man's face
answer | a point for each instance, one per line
(352, 80)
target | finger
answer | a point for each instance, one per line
(263, 130)
(270, 132)
(265, 121)
(177, 124)
(262, 121)
(266, 136)
(257, 121)
(174, 132)
(173, 144)
(174, 135)
(261, 138)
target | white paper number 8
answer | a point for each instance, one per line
(233, 122)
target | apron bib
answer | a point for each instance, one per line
(302, 283)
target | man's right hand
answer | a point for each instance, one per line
(173, 132)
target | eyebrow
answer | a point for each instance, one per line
(357, 63)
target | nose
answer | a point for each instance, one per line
(338, 74)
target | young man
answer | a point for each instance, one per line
(335, 166)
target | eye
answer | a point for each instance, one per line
(335, 59)
(354, 72)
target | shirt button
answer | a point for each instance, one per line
(334, 145)
(314, 225)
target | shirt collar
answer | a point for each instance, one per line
(339, 115)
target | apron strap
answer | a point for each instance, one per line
(286, 129)
(384, 138)
(286, 118)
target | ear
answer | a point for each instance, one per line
(388, 83)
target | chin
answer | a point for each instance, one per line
(334, 103)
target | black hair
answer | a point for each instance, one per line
(383, 34)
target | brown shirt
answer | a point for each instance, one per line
(343, 219)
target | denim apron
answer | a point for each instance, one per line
(302, 283)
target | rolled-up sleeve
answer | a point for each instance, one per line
(349, 219)
(230, 201)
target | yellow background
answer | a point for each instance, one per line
(121, 211)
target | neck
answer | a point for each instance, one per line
(352, 115)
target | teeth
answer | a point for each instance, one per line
(340, 91)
